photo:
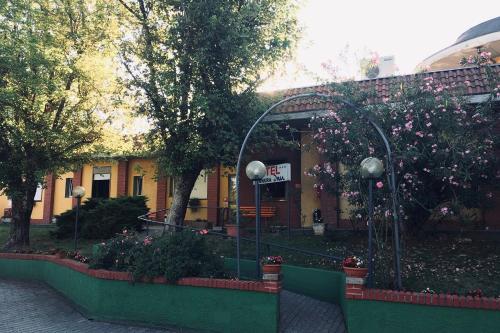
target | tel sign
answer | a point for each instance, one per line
(277, 173)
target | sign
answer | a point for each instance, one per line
(277, 173)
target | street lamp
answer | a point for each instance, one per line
(78, 193)
(371, 168)
(256, 170)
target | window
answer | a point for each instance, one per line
(232, 190)
(101, 182)
(137, 186)
(68, 189)
(38, 193)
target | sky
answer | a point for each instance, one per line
(409, 30)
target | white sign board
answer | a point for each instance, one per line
(277, 173)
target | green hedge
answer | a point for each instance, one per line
(103, 218)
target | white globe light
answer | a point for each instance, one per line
(256, 170)
(78, 191)
(372, 167)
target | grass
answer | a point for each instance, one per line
(443, 264)
(41, 240)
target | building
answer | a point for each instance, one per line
(484, 37)
(293, 201)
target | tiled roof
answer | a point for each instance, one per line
(477, 84)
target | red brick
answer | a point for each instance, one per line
(122, 181)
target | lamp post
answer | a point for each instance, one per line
(78, 193)
(256, 170)
(371, 168)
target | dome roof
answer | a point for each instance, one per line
(484, 36)
(479, 30)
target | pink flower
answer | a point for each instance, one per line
(420, 134)
(379, 184)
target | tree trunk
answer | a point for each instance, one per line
(22, 207)
(183, 185)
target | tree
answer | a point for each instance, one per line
(194, 65)
(444, 150)
(54, 76)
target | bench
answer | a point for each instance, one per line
(265, 213)
(251, 211)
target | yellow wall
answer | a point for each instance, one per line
(4, 203)
(146, 169)
(308, 197)
(62, 204)
(87, 176)
(200, 213)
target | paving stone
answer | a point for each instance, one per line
(31, 307)
(302, 314)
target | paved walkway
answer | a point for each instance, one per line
(29, 307)
(300, 314)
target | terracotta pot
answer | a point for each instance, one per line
(232, 230)
(271, 268)
(356, 272)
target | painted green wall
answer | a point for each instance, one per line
(387, 317)
(320, 284)
(220, 310)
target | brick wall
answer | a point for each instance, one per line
(122, 184)
(213, 191)
(161, 197)
(48, 199)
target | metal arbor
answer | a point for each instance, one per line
(391, 179)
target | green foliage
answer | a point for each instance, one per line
(54, 90)
(66, 221)
(444, 151)
(101, 219)
(183, 254)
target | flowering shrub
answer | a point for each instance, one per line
(271, 260)
(444, 151)
(183, 254)
(353, 262)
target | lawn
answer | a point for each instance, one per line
(41, 240)
(441, 263)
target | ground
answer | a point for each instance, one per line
(440, 263)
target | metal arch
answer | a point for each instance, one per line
(391, 177)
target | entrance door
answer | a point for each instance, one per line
(101, 182)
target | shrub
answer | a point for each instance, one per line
(183, 254)
(111, 216)
(103, 218)
(66, 221)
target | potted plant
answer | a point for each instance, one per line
(271, 264)
(354, 267)
(318, 225)
(231, 230)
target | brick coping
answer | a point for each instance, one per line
(272, 287)
(447, 300)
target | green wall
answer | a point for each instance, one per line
(211, 309)
(321, 284)
(388, 317)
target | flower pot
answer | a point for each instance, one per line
(319, 229)
(232, 230)
(356, 272)
(271, 268)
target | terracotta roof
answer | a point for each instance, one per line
(476, 78)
